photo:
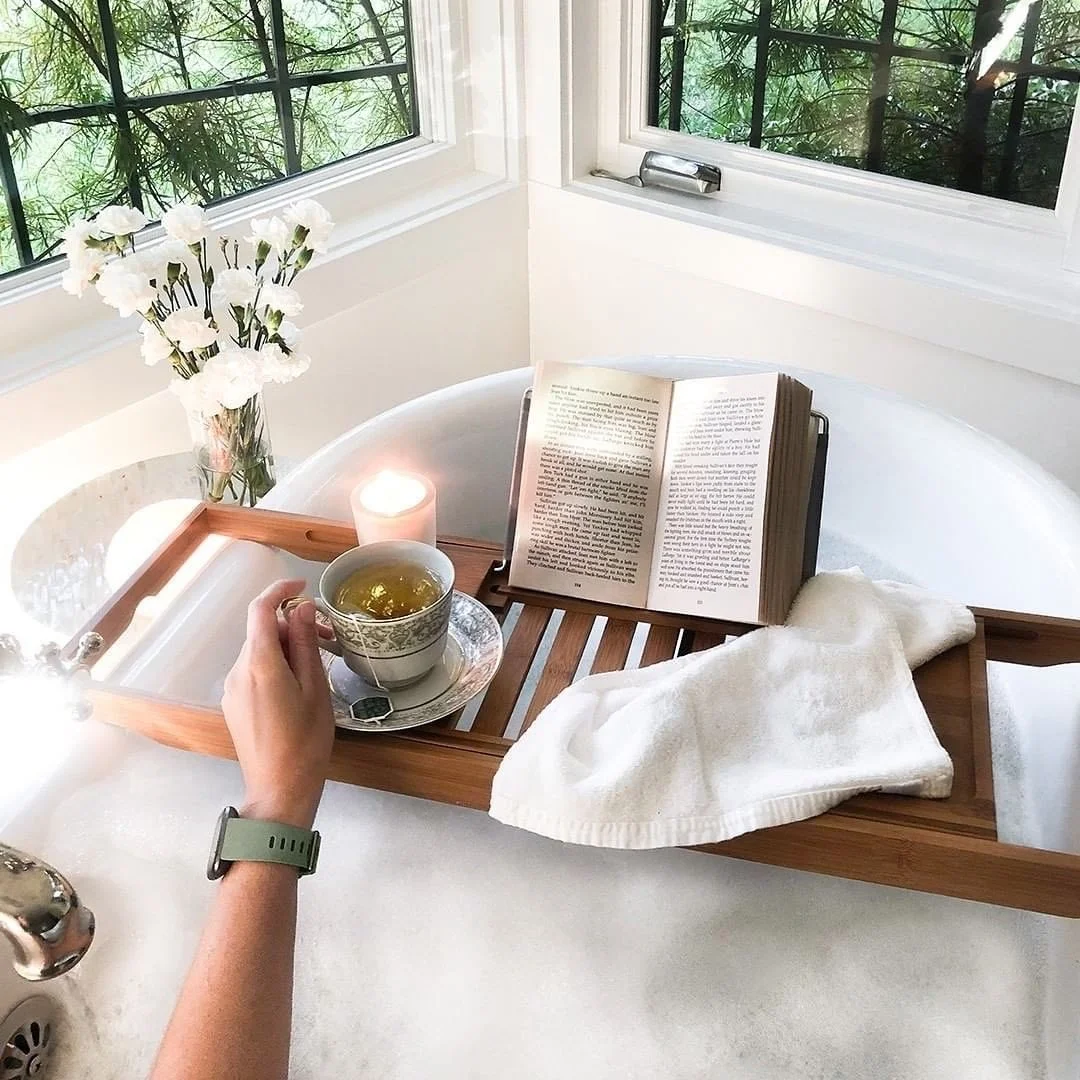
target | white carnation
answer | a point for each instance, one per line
(125, 288)
(236, 287)
(281, 298)
(190, 329)
(76, 236)
(186, 222)
(172, 251)
(153, 262)
(84, 262)
(290, 333)
(154, 347)
(197, 394)
(234, 376)
(82, 269)
(118, 221)
(272, 232)
(281, 367)
(313, 217)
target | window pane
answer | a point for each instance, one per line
(815, 103)
(340, 119)
(348, 34)
(9, 257)
(961, 94)
(48, 59)
(208, 150)
(65, 170)
(153, 101)
(170, 45)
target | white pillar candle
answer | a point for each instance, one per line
(394, 505)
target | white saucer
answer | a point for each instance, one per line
(474, 651)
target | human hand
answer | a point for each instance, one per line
(277, 708)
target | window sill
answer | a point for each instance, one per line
(1011, 308)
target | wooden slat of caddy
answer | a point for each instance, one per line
(457, 768)
(1036, 640)
(502, 694)
(705, 639)
(614, 646)
(659, 645)
(562, 662)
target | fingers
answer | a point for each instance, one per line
(262, 618)
(304, 647)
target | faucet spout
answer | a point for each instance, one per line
(42, 917)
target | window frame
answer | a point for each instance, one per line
(467, 150)
(965, 271)
(624, 134)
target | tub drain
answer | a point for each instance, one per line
(26, 1040)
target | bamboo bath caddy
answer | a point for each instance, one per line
(945, 846)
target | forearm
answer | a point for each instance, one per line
(233, 1019)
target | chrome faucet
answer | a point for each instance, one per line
(40, 912)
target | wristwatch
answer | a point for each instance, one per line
(238, 839)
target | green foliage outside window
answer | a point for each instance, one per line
(150, 102)
(969, 94)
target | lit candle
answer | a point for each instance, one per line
(394, 506)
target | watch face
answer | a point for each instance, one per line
(215, 867)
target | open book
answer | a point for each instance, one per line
(688, 496)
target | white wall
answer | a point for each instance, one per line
(598, 291)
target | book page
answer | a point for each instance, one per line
(590, 483)
(709, 533)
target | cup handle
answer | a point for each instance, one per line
(330, 644)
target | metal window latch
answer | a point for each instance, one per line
(671, 172)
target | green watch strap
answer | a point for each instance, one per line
(244, 840)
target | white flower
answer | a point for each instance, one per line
(81, 270)
(186, 222)
(282, 367)
(119, 221)
(315, 218)
(172, 251)
(154, 262)
(280, 298)
(189, 328)
(290, 333)
(197, 394)
(76, 236)
(270, 231)
(125, 288)
(234, 376)
(155, 347)
(236, 287)
(84, 262)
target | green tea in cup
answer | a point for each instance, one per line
(388, 590)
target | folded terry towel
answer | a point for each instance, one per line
(776, 726)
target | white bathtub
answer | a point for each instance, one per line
(436, 942)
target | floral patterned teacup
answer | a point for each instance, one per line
(391, 653)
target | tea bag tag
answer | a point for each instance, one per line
(371, 710)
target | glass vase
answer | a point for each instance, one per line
(233, 456)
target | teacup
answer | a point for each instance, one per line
(388, 652)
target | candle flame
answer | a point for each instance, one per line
(390, 493)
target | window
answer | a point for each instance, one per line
(151, 101)
(975, 95)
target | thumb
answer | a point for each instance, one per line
(304, 647)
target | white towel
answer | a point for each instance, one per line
(776, 726)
